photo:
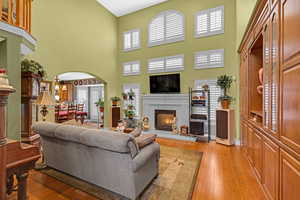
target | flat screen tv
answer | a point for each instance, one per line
(165, 83)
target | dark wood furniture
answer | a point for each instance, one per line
(20, 159)
(30, 91)
(115, 116)
(270, 122)
(225, 123)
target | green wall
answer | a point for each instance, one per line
(76, 35)
(10, 60)
(142, 18)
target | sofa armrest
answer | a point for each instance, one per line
(145, 154)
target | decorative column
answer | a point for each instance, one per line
(5, 90)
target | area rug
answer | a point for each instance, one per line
(177, 177)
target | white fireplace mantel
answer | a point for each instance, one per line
(177, 102)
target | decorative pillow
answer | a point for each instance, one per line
(136, 132)
(145, 139)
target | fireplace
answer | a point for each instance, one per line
(164, 119)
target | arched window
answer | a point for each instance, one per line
(166, 27)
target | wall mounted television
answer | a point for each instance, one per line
(163, 84)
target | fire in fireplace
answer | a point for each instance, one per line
(164, 119)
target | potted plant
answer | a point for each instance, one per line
(130, 114)
(115, 100)
(131, 94)
(225, 82)
(100, 104)
(31, 66)
(130, 107)
(225, 101)
(124, 95)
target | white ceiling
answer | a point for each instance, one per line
(124, 7)
(69, 76)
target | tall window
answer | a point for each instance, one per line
(167, 27)
(209, 59)
(131, 68)
(210, 22)
(215, 93)
(131, 40)
(166, 64)
(136, 102)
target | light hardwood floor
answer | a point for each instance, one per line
(224, 174)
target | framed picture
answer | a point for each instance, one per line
(46, 86)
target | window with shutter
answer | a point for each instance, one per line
(131, 68)
(131, 40)
(167, 27)
(209, 59)
(136, 102)
(215, 93)
(166, 64)
(210, 22)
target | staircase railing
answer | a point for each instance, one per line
(17, 13)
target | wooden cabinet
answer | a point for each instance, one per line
(270, 167)
(289, 177)
(270, 120)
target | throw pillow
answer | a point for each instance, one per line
(145, 139)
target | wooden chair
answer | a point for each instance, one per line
(61, 114)
(80, 113)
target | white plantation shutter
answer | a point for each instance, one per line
(131, 40)
(156, 65)
(166, 27)
(131, 68)
(210, 22)
(157, 30)
(174, 63)
(209, 59)
(166, 64)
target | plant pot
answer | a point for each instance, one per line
(124, 97)
(130, 107)
(130, 116)
(225, 104)
(101, 109)
(114, 103)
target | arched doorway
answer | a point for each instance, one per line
(78, 96)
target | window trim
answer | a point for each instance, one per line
(164, 59)
(132, 73)
(209, 52)
(166, 41)
(131, 33)
(210, 33)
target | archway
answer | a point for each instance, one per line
(80, 99)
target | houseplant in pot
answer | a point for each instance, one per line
(130, 114)
(225, 82)
(100, 105)
(131, 94)
(31, 66)
(130, 107)
(124, 95)
(115, 100)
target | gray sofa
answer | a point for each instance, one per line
(104, 158)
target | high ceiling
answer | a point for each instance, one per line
(124, 7)
(69, 76)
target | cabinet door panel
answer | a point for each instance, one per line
(290, 28)
(289, 177)
(270, 179)
(250, 145)
(290, 133)
(257, 153)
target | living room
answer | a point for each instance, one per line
(180, 99)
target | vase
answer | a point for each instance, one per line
(114, 103)
(101, 109)
(225, 104)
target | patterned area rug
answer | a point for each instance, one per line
(177, 177)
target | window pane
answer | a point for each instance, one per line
(156, 65)
(127, 40)
(174, 63)
(157, 29)
(135, 68)
(135, 39)
(174, 25)
(202, 23)
(216, 20)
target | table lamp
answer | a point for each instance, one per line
(45, 100)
